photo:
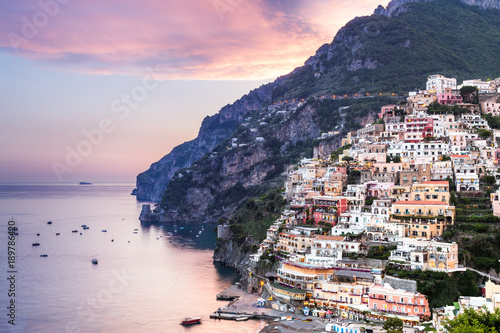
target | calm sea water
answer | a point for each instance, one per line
(147, 280)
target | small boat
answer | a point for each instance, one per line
(74, 231)
(38, 234)
(50, 222)
(191, 320)
(85, 228)
(104, 230)
(244, 318)
(58, 233)
(44, 255)
(94, 261)
(85, 183)
(135, 232)
(35, 244)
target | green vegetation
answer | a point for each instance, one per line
(334, 156)
(470, 94)
(395, 159)
(380, 252)
(441, 36)
(493, 121)
(393, 325)
(250, 223)
(440, 288)
(472, 321)
(436, 108)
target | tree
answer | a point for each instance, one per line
(484, 134)
(445, 158)
(475, 322)
(490, 180)
(347, 158)
(470, 94)
(393, 325)
(452, 184)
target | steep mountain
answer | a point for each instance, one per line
(391, 51)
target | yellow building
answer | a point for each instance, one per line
(293, 243)
(431, 191)
(423, 219)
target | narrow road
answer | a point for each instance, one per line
(484, 274)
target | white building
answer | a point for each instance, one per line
(426, 255)
(436, 84)
(482, 86)
(424, 152)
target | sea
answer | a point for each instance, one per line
(148, 277)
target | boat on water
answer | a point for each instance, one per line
(85, 183)
(243, 318)
(44, 255)
(35, 244)
(74, 231)
(94, 261)
(49, 222)
(191, 320)
(58, 233)
(38, 234)
(104, 230)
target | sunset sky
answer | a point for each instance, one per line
(97, 90)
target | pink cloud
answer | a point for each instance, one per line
(189, 39)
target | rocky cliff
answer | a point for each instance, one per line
(253, 158)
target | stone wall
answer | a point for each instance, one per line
(396, 283)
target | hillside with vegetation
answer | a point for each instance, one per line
(375, 54)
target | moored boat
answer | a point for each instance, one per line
(94, 261)
(191, 320)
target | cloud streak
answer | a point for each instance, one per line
(189, 39)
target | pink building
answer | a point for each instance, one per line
(419, 124)
(449, 98)
(491, 108)
(386, 109)
(399, 302)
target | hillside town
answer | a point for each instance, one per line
(386, 197)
